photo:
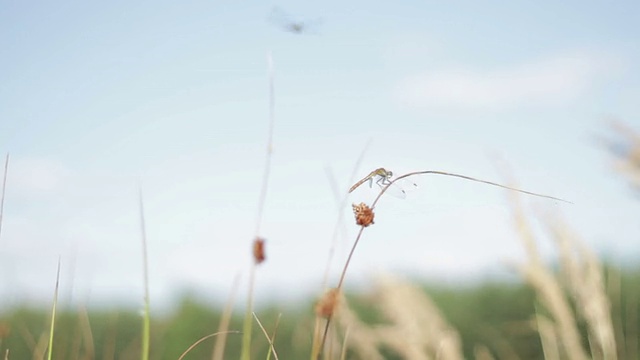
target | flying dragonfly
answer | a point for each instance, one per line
(382, 178)
(283, 20)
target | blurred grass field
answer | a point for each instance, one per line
(573, 308)
(494, 315)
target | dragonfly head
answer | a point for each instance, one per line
(389, 174)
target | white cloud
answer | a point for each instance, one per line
(549, 81)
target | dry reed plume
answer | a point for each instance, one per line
(625, 147)
(415, 327)
(578, 285)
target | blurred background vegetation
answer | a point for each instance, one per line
(575, 298)
(496, 314)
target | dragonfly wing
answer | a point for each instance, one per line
(280, 17)
(406, 185)
(394, 190)
(286, 22)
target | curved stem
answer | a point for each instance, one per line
(373, 205)
(342, 276)
(203, 339)
(375, 201)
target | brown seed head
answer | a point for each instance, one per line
(364, 214)
(5, 330)
(328, 304)
(258, 250)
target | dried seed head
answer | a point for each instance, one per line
(364, 214)
(328, 304)
(258, 250)
(5, 330)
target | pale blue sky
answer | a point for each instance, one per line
(97, 98)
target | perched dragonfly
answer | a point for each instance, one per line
(382, 178)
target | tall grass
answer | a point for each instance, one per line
(53, 314)
(146, 316)
(258, 242)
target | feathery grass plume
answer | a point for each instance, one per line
(415, 327)
(418, 330)
(146, 317)
(548, 290)
(334, 342)
(345, 339)
(626, 150)
(548, 336)
(364, 215)
(583, 276)
(363, 339)
(614, 293)
(551, 296)
(53, 313)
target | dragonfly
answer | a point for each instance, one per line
(382, 178)
(283, 20)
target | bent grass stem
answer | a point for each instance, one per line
(375, 201)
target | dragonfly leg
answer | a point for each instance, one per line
(382, 181)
